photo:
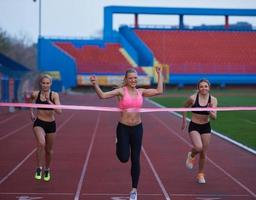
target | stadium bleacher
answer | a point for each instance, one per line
(215, 52)
(225, 54)
(97, 60)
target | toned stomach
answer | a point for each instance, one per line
(199, 119)
(130, 118)
(46, 115)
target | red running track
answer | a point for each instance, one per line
(85, 165)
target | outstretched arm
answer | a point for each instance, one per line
(159, 89)
(100, 93)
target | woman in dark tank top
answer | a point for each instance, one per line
(44, 126)
(199, 127)
(197, 105)
(39, 101)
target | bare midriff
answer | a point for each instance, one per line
(46, 115)
(199, 119)
(130, 118)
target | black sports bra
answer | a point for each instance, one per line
(197, 105)
(39, 101)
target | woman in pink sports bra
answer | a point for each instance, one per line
(129, 130)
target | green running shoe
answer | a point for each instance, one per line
(47, 175)
(38, 174)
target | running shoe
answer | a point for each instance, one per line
(133, 195)
(38, 174)
(200, 178)
(190, 161)
(47, 175)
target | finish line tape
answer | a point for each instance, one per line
(113, 109)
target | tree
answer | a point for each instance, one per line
(5, 43)
(18, 49)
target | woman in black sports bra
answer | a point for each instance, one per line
(44, 126)
(199, 127)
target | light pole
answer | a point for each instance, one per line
(39, 18)
(39, 32)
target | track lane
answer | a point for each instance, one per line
(106, 178)
(218, 181)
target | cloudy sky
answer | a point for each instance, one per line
(84, 18)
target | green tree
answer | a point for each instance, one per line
(19, 49)
(5, 43)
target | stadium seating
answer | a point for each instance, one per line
(195, 52)
(97, 60)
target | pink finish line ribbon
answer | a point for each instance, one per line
(113, 109)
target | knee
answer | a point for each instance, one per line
(40, 145)
(122, 158)
(198, 148)
(49, 151)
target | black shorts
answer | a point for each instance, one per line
(49, 127)
(200, 128)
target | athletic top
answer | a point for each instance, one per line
(130, 102)
(38, 101)
(197, 105)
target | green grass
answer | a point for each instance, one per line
(238, 125)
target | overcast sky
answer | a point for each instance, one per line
(84, 18)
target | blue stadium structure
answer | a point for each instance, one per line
(11, 74)
(225, 54)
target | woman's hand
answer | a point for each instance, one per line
(158, 70)
(32, 116)
(93, 80)
(184, 124)
(47, 98)
(213, 114)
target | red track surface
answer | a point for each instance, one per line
(85, 165)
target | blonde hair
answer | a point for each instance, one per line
(42, 76)
(129, 71)
(40, 79)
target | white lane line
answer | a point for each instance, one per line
(234, 142)
(167, 197)
(232, 178)
(27, 157)
(82, 176)
(9, 118)
(17, 166)
(15, 131)
(214, 164)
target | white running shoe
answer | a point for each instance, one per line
(190, 161)
(133, 195)
(200, 178)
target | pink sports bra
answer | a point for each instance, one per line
(128, 102)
